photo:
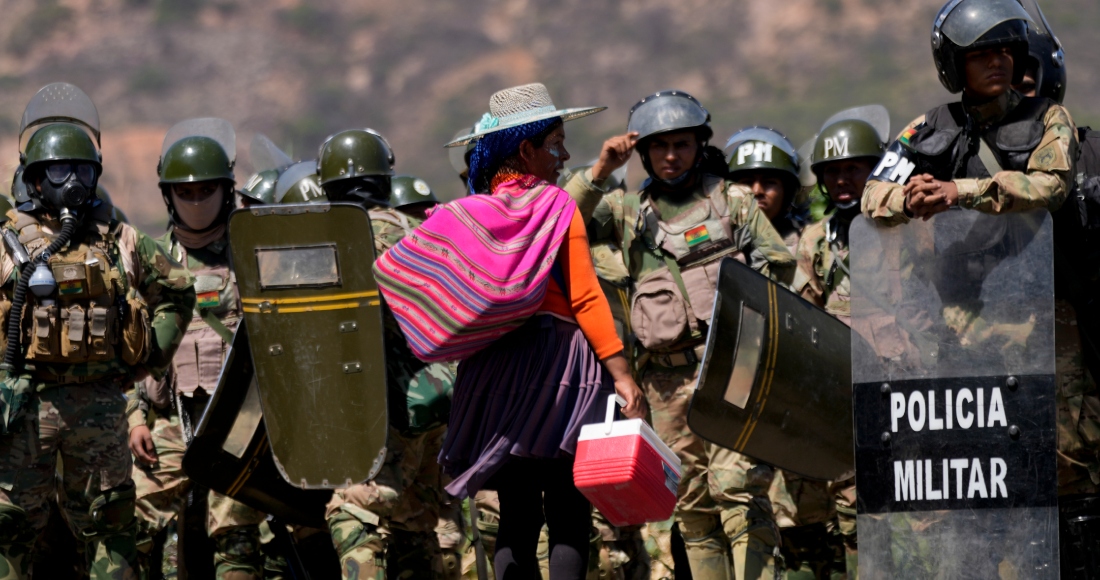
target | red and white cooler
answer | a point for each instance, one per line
(625, 470)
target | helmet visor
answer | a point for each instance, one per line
(665, 112)
(294, 174)
(60, 102)
(266, 155)
(970, 19)
(874, 115)
(219, 130)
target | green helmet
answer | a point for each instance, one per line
(755, 149)
(60, 142)
(192, 159)
(846, 139)
(409, 190)
(354, 153)
(70, 149)
(260, 188)
(299, 184)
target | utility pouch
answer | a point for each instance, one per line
(136, 333)
(700, 282)
(102, 332)
(658, 313)
(72, 336)
(44, 342)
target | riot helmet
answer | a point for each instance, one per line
(1046, 55)
(962, 26)
(356, 165)
(197, 159)
(763, 150)
(260, 188)
(299, 184)
(411, 191)
(844, 140)
(61, 167)
(668, 111)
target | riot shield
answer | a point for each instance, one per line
(954, 397)
(775, 382)
(230, 452)
(315, 327)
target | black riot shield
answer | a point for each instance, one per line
(230, 452)
(954, 397)
(315, 327)
(776, 378)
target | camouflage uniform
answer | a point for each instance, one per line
(1048, 180)
(78, 410)
(389, 521)
(163, 488)
(723, 509)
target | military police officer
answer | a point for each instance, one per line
(766, 162)
(673, 234)
(104, 305)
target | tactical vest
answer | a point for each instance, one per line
(92, 316)
(948, 141)
(198, 362)
(677, 273)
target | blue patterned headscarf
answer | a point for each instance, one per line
(497, 146)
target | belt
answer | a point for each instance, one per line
(669, 360)
(72, 379)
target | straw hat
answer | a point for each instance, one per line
(519, 106)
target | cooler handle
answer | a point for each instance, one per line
(609, 419)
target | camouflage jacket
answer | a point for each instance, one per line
(761, 245)
(822, 275)
(147, 272)
(1049, 176)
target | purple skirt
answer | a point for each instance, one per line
(528, 394)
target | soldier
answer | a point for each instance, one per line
(91, 336)
(673, 234)
(997, 152)
(389, 521)
(197, 184)
(766, 162)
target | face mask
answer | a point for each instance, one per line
(67, 185)
(199, 215)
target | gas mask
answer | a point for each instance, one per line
(67, 185)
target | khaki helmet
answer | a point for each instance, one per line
(409, 190)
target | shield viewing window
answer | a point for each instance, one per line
(750, 339)
(298, 267)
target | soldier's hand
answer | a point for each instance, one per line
(927, 196)
(614, 154)
(141, 445)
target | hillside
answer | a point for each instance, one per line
(418, 71)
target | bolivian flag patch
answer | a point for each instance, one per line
(70, 287)
(209, 299)
(908, 134)
(696, 235)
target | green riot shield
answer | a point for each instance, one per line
(776, 378)
(230, 452)
(315, 326)
(954, 397)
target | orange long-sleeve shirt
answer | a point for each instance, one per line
(586, 302)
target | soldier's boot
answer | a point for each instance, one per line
(111, 543)
(414, 555)
(16, 542)
(237, 554)
(360, 546)
(708, 550)
(754, 543)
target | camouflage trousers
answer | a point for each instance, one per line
(86, 426)
(1078, 401)
(161, 496)
(722, 508)
(817, 524)
(388, 523)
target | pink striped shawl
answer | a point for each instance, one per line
(476, 269)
